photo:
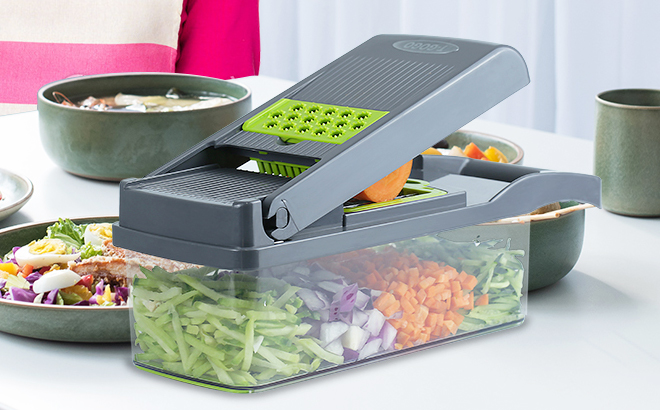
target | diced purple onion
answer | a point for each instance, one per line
(350, 355)
(315, 329)
(331, 286)
(346, 317)
(375, 322)
(359, 317)
(3, 283)
(370, 348)
(333, 311)
(322, 274)
(311, 299)
(335, 347)
(355, 338)
(361, 300)
(347, 297)
(332, 331)
(388, 335)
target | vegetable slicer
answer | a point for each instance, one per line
(316, 146)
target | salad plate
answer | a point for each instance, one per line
(15, 191)
(84, 324)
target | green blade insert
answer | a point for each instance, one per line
(294, 121)
(413, 190)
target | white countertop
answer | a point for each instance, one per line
(590, 341)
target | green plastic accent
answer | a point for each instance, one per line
(279, 168)
(413, 190)
(294, 121)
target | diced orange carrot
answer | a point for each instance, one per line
(455, 286)
(392, 286)
(391, 309)
(470, 282)
(396, 323)
(421, 296)
(415, 303)
(431, 320)
(454, 317)
(371, 279)
(407, 306)
(482, 300)
(402, 338)
(451, 326)
(413, 277)
(402, 276)
(431, 291)
(384, 300)
(445, 294)
(461, 276)
(421, 314)
(426, 282)
(401, 289)
(431, 265)
(381, 285)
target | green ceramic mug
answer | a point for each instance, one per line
(627, 151)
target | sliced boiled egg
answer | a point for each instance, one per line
(44, 252)
(96, 234)
(55, 279)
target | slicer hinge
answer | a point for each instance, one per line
(281, 226)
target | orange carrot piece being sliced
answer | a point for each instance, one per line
(389, 187)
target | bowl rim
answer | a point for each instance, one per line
(42, 98)
(547, 216)
(29, 190)
(519, 151)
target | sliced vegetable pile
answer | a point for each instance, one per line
(239, 329)
(471, 151)
(38, 272)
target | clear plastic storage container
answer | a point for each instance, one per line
(251, 330)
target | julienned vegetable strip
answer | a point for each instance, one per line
(212, 341)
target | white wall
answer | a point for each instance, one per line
(574, 49)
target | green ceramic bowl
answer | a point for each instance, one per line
(554, 247)
(555, 243)
(113, 145)
(88, 324)
(461, 138)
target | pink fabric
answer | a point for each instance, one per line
(219, 38)
(37, 64)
